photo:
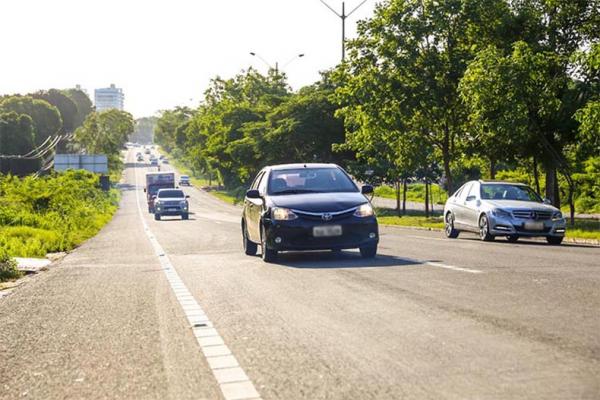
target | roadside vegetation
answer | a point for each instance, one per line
(8, 267)
(432, 94)
(53, 213)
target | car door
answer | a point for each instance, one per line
(459, 206)
(471, 207)
(252, 209)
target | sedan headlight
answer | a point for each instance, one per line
(183, 204)
(283, 214)
(557, 215)
(498, 212)
(364, 210)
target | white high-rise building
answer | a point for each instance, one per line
(108, 98)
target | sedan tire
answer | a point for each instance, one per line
(554, 240)
(484, 229)
(249, 246)
(512, 238)
(368, 251)
(156, 216)
(268, 255)
(449, 227)
(185, 216)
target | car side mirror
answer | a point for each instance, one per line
(471, 198)
(366, 189)
(144, 190)
(253, 194)
(547, 201)
(187, 196)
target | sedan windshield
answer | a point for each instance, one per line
(310, 180)
(508, 192)
(170, 194)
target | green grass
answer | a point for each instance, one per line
(413, 218)
(584, 229)
(415, 192)
(225, 196)
(53, 213)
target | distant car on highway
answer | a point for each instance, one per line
(171, 202)
(307, 207)
(146, 151)
(184, 180)
(165, 160)
(492, 208)
(140, 158)
(154, 162)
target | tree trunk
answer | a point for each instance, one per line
(447, 173)
(536, 176)
(397, 187)
(551, 186)
(426, 199)
(492, 169)
(404, 184)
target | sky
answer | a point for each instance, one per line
(164, 53)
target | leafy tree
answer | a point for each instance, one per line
(66, 107)
(105, 132)
(167, 123)
(82, 103)
(16, 133)
(46, 118)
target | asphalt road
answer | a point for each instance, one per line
(429, 318)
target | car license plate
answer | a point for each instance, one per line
(534, 226)
(328, 230)
(172, 209)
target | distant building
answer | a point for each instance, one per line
(108, 98)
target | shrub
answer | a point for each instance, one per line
(8, 267)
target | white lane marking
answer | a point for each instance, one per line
(231, 378)
(461, 269)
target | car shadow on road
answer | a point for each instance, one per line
(339, 260)
(126, 187)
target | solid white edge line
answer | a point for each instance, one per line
(231, 378)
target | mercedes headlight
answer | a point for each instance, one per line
(557, 215)
(283, 214)
(364, 210)
(498, 212)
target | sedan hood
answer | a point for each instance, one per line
(319, 202)
(518, 204)
(171, 199)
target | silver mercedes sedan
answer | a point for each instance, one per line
(492, 208)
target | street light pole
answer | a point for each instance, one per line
(254, 54)
(343, 17)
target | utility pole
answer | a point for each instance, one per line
(343, 17)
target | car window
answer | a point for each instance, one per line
(256, 181)
(508, 192)
(465, 191)
(310, 180)
(473, 190)
(459, 191)
(170, 193)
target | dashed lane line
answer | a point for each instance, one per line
(232, 380)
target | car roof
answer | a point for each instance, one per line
(494, 182)
(299, 165)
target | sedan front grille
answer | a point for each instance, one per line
(325, 217)
(532, 214)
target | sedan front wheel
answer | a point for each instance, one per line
(484, 229)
